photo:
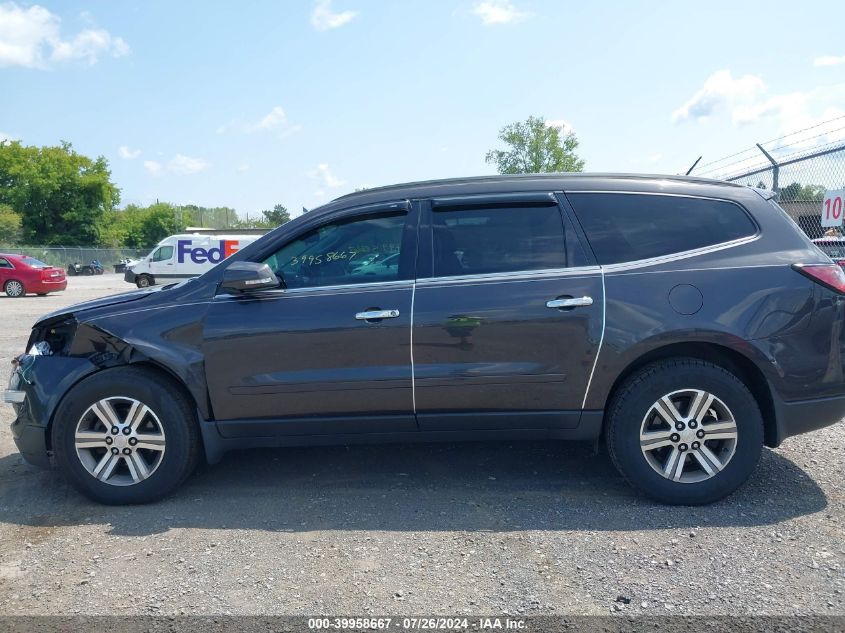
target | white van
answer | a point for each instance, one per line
(183, 256)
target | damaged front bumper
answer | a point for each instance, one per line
(34, 391)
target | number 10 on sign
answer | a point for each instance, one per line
(833, 208)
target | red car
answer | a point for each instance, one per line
(20, 274)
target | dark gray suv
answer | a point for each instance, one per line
(688, 322)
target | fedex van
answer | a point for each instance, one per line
(183, 256)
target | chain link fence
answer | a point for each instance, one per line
(63, 256)
(799, 177)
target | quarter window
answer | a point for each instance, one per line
(361, 250)
(628, 227)
(4, 263)
(472, 241)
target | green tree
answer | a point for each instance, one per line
(796, 192)
(276, 216)
(535, 147)
(60, 195)
(10, 225)
(269, 219)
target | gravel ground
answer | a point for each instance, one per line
(521, 528)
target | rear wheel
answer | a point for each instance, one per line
(125, 435)
(684, 431)
(14, 288)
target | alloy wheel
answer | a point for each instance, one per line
(14, 288)
(120, 441)
(688, 436)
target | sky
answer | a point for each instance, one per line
(251, 104)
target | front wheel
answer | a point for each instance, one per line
(684, 431)
(144, 281)
(125, 435)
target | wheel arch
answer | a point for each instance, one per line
(145, 365)
(737, 363)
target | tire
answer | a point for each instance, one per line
(87, 271)
(14, 288)
(705, 474)
(170, 428)
(144, 281)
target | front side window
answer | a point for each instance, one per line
(163, 254)
(481, 240)
(360, 250)
(628, 227)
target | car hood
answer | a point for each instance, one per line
(79, 310)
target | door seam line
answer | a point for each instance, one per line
(601, 339)
(413, 377)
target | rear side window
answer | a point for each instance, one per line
(627, 227)
(479, 240)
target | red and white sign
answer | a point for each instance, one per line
(833, 208)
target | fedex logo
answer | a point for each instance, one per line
(200, 255)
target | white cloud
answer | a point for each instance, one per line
(748, 101)
(271, 120)
(494, 12)
(328, 180)
(275, 121)
(654, 157)
(31, 37)
(128, 154)
(153, 167)
(720, 89)
(564, 126)
(179, 164)
(88, 44)
(829, 60)
(242, 167)
(324, 18)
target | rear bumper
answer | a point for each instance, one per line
(803, 416)
(47, 286)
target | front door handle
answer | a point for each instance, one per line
(569, 302)
(372, 315)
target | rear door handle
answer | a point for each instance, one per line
(372, 315)
(570, 302)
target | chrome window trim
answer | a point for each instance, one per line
(601, 340)
(654, 261)
(510, 276)
(311, 290)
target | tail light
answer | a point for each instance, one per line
(830, 276)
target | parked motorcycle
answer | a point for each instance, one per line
(94, 268)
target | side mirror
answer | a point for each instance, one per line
(248, 277)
